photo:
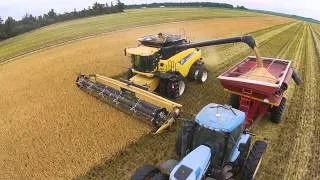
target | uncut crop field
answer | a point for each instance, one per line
(51, 129)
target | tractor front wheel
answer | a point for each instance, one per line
(276, 111)
(234, 101)
(254, 160)
(145, 172)
(183, 142)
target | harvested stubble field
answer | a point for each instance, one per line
(50, 129)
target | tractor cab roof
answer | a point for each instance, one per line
(162, 40)
(142, 50)
(220, 118)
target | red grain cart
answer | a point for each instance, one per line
(259, 90)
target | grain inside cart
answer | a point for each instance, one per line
(258, 86)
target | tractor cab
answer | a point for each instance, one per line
(218, 127)
(216, 139)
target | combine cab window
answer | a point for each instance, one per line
(143, 63)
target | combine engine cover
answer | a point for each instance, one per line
(193, 166)
(162, 40)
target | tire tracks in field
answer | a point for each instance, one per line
(275, 162)
(299, 166)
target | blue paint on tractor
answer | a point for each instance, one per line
(235, 152)
(197, 160)
(220, 118)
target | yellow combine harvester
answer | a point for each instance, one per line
(160, 66)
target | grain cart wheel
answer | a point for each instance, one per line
(145, 172)
(253, 162)
(203, 75)
(276, 111)
(183, 142)
(296, 78)
(234, 101)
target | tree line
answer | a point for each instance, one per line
(182, 4)
(11, 27)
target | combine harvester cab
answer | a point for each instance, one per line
(258, 90)
(156, 110)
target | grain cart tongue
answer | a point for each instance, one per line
(143, 104)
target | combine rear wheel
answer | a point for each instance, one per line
(203, 75)
(254, 160)
(276, 111)
(198, 72)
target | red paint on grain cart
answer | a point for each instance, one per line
(261, 91)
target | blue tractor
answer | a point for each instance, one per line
(212, 146)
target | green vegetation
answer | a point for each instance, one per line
(287, 15)
(12, 27)
(71, 30)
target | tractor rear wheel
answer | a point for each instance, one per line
(276, 111)
(183, 142)
(254, 160)
(145, 172)
(234, 101)
(160, 176)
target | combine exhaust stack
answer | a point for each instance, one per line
(156, 110)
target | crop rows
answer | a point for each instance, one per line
(154, 149)
(293, 150)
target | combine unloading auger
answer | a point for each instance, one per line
(156, 110)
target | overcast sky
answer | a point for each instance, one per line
(17, 8)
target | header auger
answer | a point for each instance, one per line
(160, 66)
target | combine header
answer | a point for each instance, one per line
(142, 104)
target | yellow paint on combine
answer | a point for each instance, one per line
(154, 99)
(181, 62)
(142, 50)
(150, 82)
